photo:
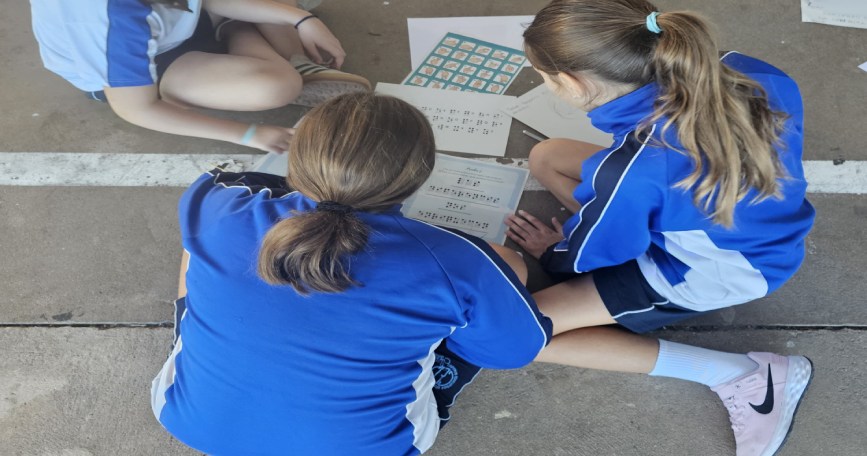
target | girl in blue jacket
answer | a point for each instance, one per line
(698, 205)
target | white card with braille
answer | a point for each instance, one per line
(472, 123)
(469, 195)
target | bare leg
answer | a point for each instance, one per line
(573, 304)
(556, 163)
(602, 348)
(577, 311)
(252, 77)
(515, 261)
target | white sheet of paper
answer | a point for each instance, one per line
(555, 118)
(272, 163)
(468, 195)
(846, 13)
(863, 66)
(425, 33)
(466, 122)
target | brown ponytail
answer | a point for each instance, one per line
(355, 153)
(723, 120)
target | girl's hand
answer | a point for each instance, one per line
(318, 40)
(271, 138)
(531, 234)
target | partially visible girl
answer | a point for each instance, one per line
(319, 320)
(152, 60)
(698, 205)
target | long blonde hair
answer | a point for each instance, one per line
(354, 153)
(723, 119)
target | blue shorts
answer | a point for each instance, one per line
(633, 302)
(451, 373)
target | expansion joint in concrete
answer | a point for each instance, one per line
(95, 325)
(711, 328)
(696, 329)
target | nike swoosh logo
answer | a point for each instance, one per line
(766, 407)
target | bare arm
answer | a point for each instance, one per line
(142, 106)
(256, 11)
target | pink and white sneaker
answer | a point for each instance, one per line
(762, 404)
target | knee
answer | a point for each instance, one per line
(545, 155)
(539, 160)
(518, 265)
(514, 260)
(279, 85)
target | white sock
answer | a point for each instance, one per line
(708, 367)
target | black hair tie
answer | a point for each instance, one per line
(333, 206)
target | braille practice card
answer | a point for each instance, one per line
(471, 123)
(470, 195)
(465, 64)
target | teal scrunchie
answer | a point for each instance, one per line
(651, 23)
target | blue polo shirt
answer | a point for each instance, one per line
(632, 210)
(95, 44)
(262, 370)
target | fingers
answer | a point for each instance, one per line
(269, 148)
(321, 45)
(313, 52)
(281, 146)
(518, 239)
(527, 241)
(518, 226)
(533, 235)
(329, 60)
(514, 235)
(536, 223)
(278, 147)
(331, 48)
(339, 56)
(332, 53)
(530, 224)
(271, 138)
(278, 150)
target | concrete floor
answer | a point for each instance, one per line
(87, 257)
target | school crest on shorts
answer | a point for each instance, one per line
(445, 374)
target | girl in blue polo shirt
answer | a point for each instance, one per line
(319, 320)
(698, 205)
(154, 61)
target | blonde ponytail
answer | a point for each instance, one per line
(722, 117)
(723, 120)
